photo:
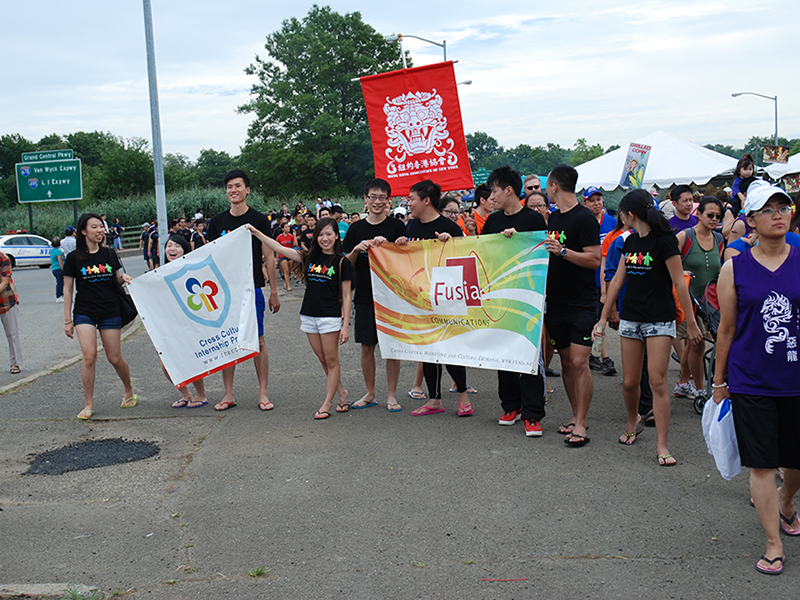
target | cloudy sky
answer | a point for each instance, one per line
(542, 71)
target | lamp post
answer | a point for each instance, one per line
(773, 98)
(399, 38)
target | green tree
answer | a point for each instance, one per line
(127, 170)
(89, 146)
(179, 172)
(583, 152)
(11, 148)
(52, 141)
(212, 166)
(310, 132)
(481, 146)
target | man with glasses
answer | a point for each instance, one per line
(532, 184)
(362, 235)
(593, 200)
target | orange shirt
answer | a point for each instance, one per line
(607, 241)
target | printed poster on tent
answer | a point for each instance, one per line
(199, 310)
(635, 166)
(415, 125)
(472, 301)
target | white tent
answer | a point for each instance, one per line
(672, 161)
(776, 171)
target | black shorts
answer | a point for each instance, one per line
(365, 330)
(766, 430)
(571, 326)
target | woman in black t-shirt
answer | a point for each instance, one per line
(651, 263)
(94, 272)
(325, 312)
(175, 248)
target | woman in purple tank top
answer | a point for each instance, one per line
(757, 344)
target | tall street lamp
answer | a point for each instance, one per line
(399, 38)
(773, 98)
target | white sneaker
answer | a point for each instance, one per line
(60, 299)
(684, 390)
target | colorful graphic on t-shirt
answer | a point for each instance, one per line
(322, 272)
(561, 236)
(99, 272)
(639, 259)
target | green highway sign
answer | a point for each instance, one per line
(46, 155)
(49, 180)
(480, 176)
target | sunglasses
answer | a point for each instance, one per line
(713, 216)
(533, 187)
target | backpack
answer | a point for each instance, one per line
(691, 238)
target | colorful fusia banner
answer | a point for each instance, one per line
(635, 165)
(199, 310)
(415, 123)
(472, 301)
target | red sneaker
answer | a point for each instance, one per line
(532, 428)
(510, 418)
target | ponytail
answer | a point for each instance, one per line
(639, 202)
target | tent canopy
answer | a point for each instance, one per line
(776, 171)
(672, 161)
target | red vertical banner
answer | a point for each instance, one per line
(415, 124)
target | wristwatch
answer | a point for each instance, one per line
(563, 251)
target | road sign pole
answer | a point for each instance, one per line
(30, 217)
(75, 213)
(155, 123)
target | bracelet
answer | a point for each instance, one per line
(717, 387)
(67, 322)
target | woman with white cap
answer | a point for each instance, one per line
(757, 346)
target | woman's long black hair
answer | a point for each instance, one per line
(81, 247)
(639, 202)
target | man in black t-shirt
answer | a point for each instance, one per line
(427, 224)
(574, 246)
(363, 235)
(237, 187)
(522, 395)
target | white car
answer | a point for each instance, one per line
(25, 249)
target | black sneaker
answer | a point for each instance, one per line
(551, 373)
(595, 364)
(608, 366)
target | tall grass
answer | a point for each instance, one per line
(50, 218)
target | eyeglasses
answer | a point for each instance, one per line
(533, 187)
(716, 216)
(451, 212)
(375, 198)
(768, 212)
(538, 206)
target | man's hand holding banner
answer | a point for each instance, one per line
(472, 301)
(199, 310)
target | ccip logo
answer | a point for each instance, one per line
(201, 291)
(201, 294)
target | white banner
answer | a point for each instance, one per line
(200, 317)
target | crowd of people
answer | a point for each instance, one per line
(639, 273)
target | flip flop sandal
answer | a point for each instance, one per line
(224, 405)
(424, 410)
(773, 570)
(788, 522)
(663, 460)
(343, 408)
(576, 440)
(180, 403)
(367, 405)
(85, 414)
(565, 426)
(129, 402)
(266, 405)
(15, 370)
(321, 415)
(394, 407)
(417, 395)
(197, 404)
(465, 411)
(629, 438)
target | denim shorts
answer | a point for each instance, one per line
(261, 307)
(320, 324)
(639, 331)
(108, 323)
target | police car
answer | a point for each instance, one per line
(24, 249)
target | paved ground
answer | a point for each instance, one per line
(364, 505)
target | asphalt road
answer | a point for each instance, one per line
(367, 504)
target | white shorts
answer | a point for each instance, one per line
(320, 324)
